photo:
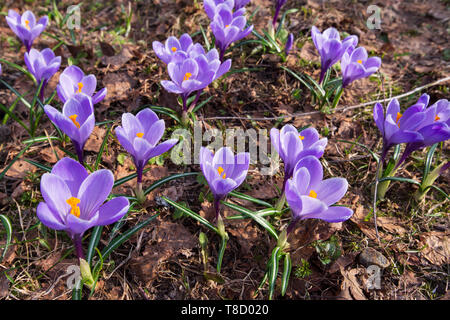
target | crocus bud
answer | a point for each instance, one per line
(221, 228)
(86, 274)
(289, 43)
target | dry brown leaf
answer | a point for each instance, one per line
(169, 240)
(20, 169)
(350, 287)
(436, 247)
(95, 139)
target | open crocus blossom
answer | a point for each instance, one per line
(330, 47)
(292, 146)
(43, 65)
(356, 65)
(25, 26)
(311, 197)
(73, 81)
(228, 28)
(224, 171)
(213, 6)
(74, 200)
(77, 120)
(139, 135)
(397, 127)
(435, 128)
(174, 49)
(194, 74)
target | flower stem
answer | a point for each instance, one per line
(78, 246)
(217, 208)
(194, 103)
(375, 194)
(79, 150)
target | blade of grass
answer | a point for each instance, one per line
(169, 178)
(429, 160)
(8, 227)
(102, 148)
(286, 273)
(124, 237)
(273, 270)
(21, 69)
(260, 220)
(93, 242)
(249, 198)
(192, 214)
(14, 160)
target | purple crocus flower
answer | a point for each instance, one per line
(433, 129)
(238, 4)
(213, 6)
(0, 69)
(74, 200)
(292, 146)
(224, 171)
(73, 81)
(311, 197)
(174, 49)
(330, 47)
(357, 65)
(193, 74)
(25, 26)
(43, 65)
(278, 5)
(399, 127)
(77, 120)
(289, 44)
(139, 135)
(228, 28)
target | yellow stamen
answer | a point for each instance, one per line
(74, 120)
(399, 115)
(173, 49)
(80, 86)
(359, 61)
(220, 170)
(227, 26)
(139, 134)
(187, 76)
(27, 24)
(301, 137)
(437, 118)
(73, 203)
(312, 194)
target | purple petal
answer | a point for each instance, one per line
(331, 190)
(72, 172)
(333, 214)
(48, 217)
(93, 192)
(112, 211)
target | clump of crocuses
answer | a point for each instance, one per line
(77, 120)
(330, 47)
(228, 27)
(140, 135)
(190, 68)
(292, 146)
(25, 26)
(418, 127)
